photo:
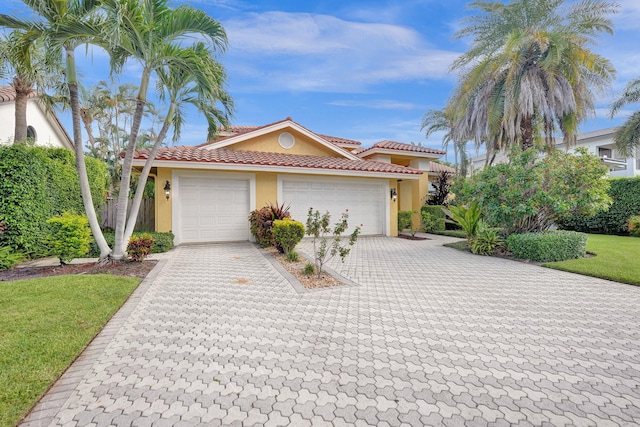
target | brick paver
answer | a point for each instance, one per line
(431, 336)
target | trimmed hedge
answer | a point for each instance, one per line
(162, 242)
(37, 183)
(548, 246)
(433, 218)
(625, 193)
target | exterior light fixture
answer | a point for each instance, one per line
(167, 190)
(394, 194)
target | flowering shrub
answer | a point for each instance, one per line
(139, 247)
(325, 248)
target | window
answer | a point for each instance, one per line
(31, 133)
(286, 140)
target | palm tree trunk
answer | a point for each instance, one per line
(119, 246)
(85, 190)
(137, 199)
(526, 133)
(22, 92)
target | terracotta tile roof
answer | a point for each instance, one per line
(338, 140)
(7, 94)
(439, 167)
(401, 146)
(226, 156)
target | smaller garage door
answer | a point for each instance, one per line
(365, 200)
(213, 209)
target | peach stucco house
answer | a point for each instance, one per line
(214, 186)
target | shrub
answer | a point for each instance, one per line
(531, 194)
(261, 222)
(433, 218)
(309, 269)
(37, 183)
(69, 236)
(467, 218)
(442, 186)
(9, 258)
(323, 249)
(548, 246)
(292, 256)
(404, 220)
(634, 226)
(287, 233)
(625, 193)
(487, 241)
(162, 242)
(139, 246)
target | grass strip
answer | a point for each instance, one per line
(45, 324)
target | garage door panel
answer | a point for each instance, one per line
(364, 200)
(213, 209)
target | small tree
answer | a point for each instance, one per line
(442, 186)
(70, 236)
(325, 248)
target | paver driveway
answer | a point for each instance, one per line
(432, 336)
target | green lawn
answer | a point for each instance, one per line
(617, 258)
(44, 325)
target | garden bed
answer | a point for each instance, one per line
(296, 269)
(126, 269)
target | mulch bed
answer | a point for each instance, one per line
(296, 269)
(127, 268)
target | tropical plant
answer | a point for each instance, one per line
(444, 121)
(487, 241)
(467, 218)
(627, 137)
(531, 194)
(30, 68)
(261, 222)
(324, 247)
(529, 70)
(442, 187)
(139, 247)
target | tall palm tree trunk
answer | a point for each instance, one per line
(526, 136)
(22, 94)
(137, 199)
(85, 190)
(119, 246)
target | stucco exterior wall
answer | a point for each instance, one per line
(47, 134)
(269, 143)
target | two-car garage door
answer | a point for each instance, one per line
(215, 207)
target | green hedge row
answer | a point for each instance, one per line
(162, 242)
(548, 246)
(433, 218)
(625, 193)
(37, 183)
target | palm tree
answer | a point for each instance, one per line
(443, 121)
(627, 137)
(182, 88)
(529, 70)
(29, 70)
(151, 33)
(65, 25)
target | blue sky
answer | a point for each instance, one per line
(364, 70)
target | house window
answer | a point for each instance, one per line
(286, 140)
(31, 133)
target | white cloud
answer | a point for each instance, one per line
(380, 104)
(628, 16)
(307, 52)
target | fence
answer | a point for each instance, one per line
(146, 220)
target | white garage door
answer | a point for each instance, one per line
(213, 209)
(365, 200)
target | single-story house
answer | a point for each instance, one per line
(43, 126)
(205, 193)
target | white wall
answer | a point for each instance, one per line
(47, 131)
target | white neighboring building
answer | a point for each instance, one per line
(44, 127)
(599, 142)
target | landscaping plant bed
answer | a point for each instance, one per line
(126, 268)
(296, 269)
(410, 237)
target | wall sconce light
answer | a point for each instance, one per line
(167, 190)
(394, 194)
